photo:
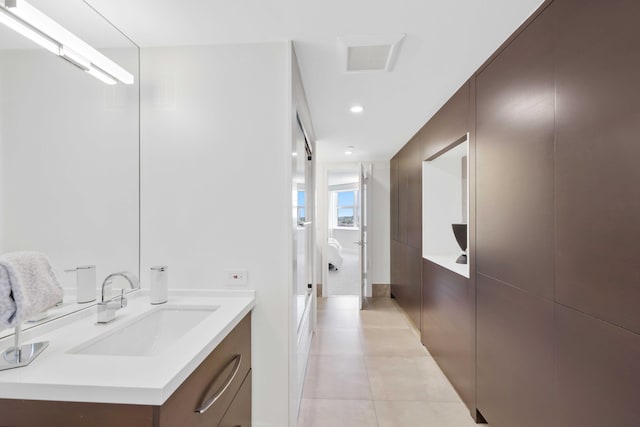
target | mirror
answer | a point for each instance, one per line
(69, 153)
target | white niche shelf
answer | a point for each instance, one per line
(445, 201)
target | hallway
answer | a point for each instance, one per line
(368, 369)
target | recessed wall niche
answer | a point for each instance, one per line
(445, 207)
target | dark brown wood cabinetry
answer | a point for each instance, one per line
(221, 374)
(597, 60)
(514, 356)
(394, 217)
(403, 192)
(406, 217)
(413, 166)
(239, 412)
(597, 152)
(448, 326)
(597, 379)
(514, 179)
(546, 330)
(224, 375)
(515, 100)
(448, 299)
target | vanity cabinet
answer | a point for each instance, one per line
(239, 412)
(217, 379)
(223, 379)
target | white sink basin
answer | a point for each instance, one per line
(147, 334)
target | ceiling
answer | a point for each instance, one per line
(446, 41)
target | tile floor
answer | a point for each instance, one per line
(368, 369)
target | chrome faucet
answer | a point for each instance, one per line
(107, 309)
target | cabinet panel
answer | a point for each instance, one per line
(597, 378)
(33, 413)
(396, 268)
(399, 271)
(210, 378)
(598, 191)
(515, 163)
(414, 210)
(514, 356)
(394, 198)
(448, 326)
(239, 413)
(447, 126)
(407, 275)
(403, 192)
(413, 305)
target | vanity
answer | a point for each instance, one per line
(70, 188)
(183, 363)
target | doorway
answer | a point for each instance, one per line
(345, 261)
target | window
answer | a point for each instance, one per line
(300, 207)
(347, 209)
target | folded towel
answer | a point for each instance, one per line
(28, 286)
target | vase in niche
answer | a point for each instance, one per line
(460, 233)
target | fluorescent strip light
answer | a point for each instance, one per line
(24, 29)
(105, 78)
(64, 37)
(76, 59)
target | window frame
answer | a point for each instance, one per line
(355, 207)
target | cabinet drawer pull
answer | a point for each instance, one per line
(209, 402)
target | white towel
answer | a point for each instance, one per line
(28, 286)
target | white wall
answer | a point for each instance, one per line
(442, 202)
(445, 202)
(216, 188)
(69, 163)
(380, 230)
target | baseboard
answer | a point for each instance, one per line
(381, 290)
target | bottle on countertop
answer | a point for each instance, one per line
(159, 284)
(85, 283)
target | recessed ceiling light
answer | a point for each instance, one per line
(294, 154)
(356, 109)
(349, 150)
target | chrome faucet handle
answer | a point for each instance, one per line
(107, 309)
(123, 299)
(134, 283)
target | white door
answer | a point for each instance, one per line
(363, 214)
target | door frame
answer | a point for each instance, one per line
(322, 212)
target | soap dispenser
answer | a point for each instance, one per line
(85, 283)
(159, 284)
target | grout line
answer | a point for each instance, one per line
(366, 368)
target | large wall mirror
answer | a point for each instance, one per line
(69, 152)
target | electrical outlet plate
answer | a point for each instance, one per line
(236, 277)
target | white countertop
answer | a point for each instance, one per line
(60, 376)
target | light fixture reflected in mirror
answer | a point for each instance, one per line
(28, 21)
